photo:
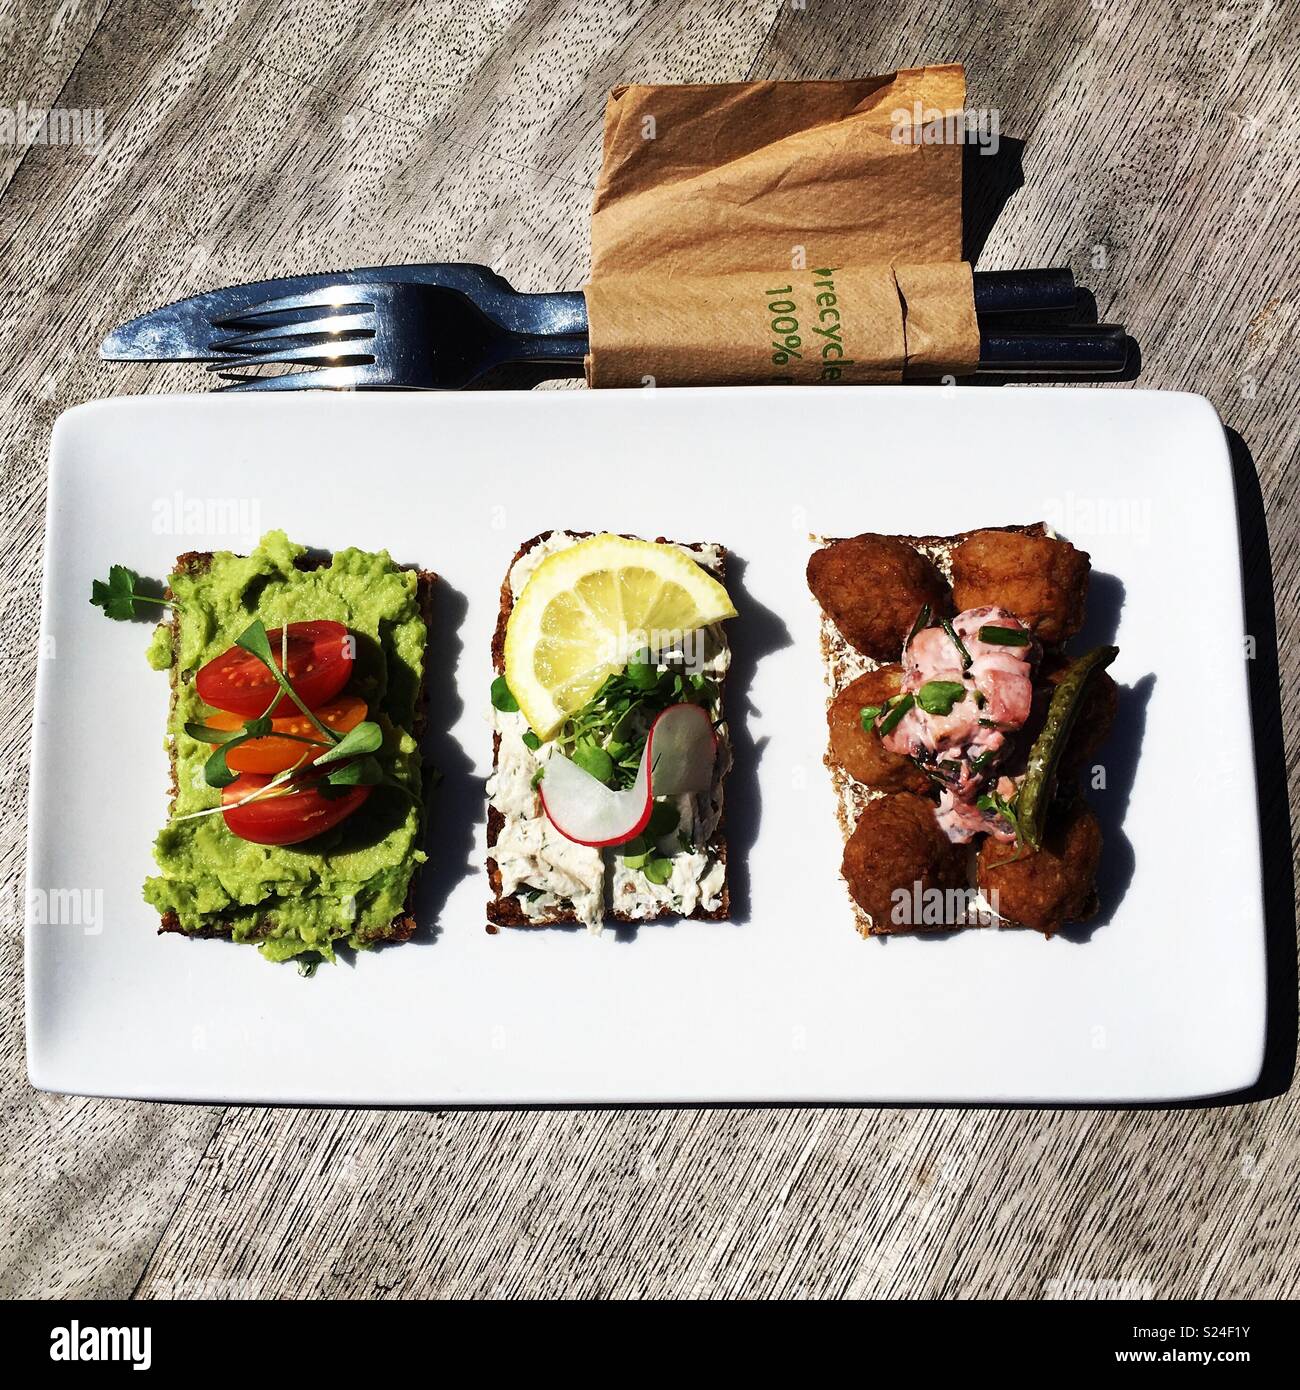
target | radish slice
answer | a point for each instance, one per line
(679, 754)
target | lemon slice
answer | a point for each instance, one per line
(587, 609)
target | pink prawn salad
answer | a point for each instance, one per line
(963, 696)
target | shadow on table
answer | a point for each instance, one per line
(1271, 783)
(989, 182)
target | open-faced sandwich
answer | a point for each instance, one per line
(959, 727)
(297, 694)
(610, 748)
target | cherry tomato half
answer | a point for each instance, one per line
(320, 662)
(286, 818)
(272, 754)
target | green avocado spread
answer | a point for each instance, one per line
(348, 884)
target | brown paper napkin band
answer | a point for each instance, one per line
(822, 325)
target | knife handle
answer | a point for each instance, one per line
(564, 313)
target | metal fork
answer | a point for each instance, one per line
(377, 336)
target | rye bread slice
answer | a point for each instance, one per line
(503, 911)
(403, 926)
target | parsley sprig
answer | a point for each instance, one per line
(119, 596)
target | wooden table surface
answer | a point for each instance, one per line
(247, 138)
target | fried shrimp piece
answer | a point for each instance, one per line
(1096, 716)
(872, 587)
(1046, 888)
(1044, 582)
(859, 750)
(897, 856)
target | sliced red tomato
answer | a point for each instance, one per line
(319, 663)
(272, 754)
(286, 818)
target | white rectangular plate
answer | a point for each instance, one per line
(1164, 999)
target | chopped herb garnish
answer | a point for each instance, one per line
(868, 715)
(366, 737)
(947, 626)
(592, 758)
(1004, 636)
(664, 819)
(360, 772)
(938, 697)
(118, 597)
(642, 672)
(922, 621)
(502, 698)
(658, 870)
(892, 720)
(618, 717)
(997, 803)
(531, 741)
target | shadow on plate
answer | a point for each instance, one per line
(1117, 762)
(755, 633)
(454, 796)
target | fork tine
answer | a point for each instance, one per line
(326, 379)
(316, 354)
(317, 330)
(335, 299)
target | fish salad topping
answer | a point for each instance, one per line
(591, 822)
(967, 689)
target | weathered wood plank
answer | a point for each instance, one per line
(252, 138)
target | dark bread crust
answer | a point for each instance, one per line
(508, 911)
(403, 926)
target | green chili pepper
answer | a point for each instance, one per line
(892, 720)
(1004, 636)
(1037, 789)
(956, 641)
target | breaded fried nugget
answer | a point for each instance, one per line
(1046, 888)
(872, 587)
(898, 845)
(1044, 582)
(1093, 723)
(859, 751)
